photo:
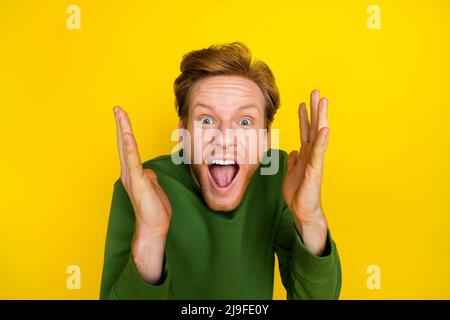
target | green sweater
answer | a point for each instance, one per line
(219, 255)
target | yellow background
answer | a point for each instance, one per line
(386, 183)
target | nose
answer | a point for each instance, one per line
(224, 138)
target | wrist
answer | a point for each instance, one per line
(313, 233)
(148, 256)
(144, 247)
(147, 242)
(312, 221)
(149, 232)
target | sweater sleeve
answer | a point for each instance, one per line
(120, 278)
(303, 274)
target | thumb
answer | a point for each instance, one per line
(292, 160)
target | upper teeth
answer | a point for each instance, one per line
(222, 162)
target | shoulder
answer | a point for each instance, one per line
(162, 164)
(158, 162)
(274, 163)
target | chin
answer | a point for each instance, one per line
(223, 184)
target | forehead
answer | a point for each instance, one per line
(226, 92)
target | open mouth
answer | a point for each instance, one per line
(223, 173)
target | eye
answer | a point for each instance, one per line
(245, 122)
(206, 120)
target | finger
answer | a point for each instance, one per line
(292, 160)
(314, 101)
(120, 146)
(322, 117)
(304, 123)
(125, 127)
(124, 120)
(319, 148)
(132, 159)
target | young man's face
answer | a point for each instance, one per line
(226, 125)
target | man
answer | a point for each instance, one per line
(207, 227)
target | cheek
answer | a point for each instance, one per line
(200, 141)
(252, 149)
(195, 146)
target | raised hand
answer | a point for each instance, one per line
(150, 203)
(303, 178)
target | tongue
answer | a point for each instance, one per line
(222, 175)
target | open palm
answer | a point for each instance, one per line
(302, 183)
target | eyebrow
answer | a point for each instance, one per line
(210, 107)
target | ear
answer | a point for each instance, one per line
(180, 126)
(269, 136)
